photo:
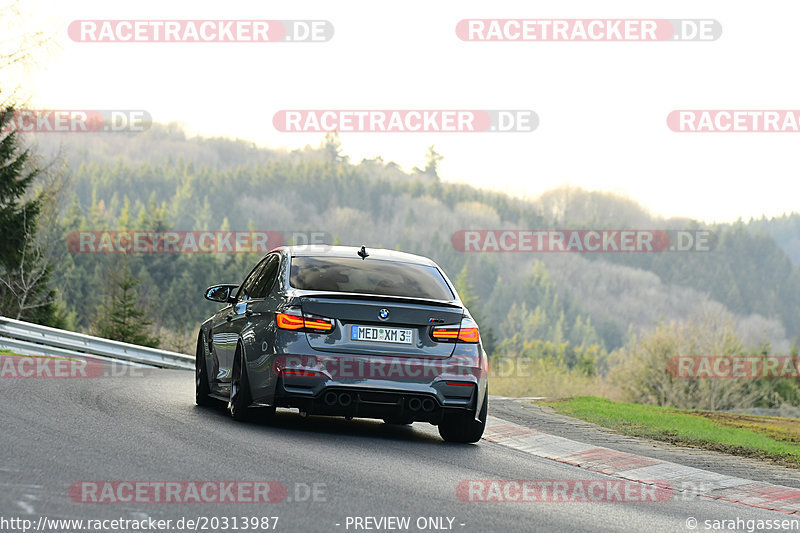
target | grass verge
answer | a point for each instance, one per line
(542, 378)
(772, 438)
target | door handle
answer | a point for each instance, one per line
(229, 317)
(248, 313)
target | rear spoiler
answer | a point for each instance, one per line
(377, 297)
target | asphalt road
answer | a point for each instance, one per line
(55, 433)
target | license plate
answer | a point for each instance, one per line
(377, 334)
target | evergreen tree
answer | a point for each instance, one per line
(118, 315)
(432, 159)
(24, 267)
(470, 301)
(333, 147)
(17, 214)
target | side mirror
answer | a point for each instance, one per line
(221, 293)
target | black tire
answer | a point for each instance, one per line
(462, 428)
(240, 400)
(241, 397)
(202, 391)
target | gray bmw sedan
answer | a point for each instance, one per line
(341, 331)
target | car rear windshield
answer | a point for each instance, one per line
(386, 278)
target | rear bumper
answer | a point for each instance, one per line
(394, 401)
(379, 385)
(386, 403)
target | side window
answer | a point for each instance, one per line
(248, 287)
(266, 277)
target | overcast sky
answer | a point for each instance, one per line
(602, 105)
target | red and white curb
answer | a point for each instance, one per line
(684, 479)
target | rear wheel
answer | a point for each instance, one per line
(201, 388)
(241, 397)
(461, 428)
(240, 400)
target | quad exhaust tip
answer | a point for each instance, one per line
(345, 399)
(424, 404)
(330, 398)
(415, 404)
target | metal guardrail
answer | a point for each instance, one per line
(28, 338)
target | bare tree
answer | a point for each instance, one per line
(24, 44)
(642, 367)
(24, 283)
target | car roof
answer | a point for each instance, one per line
(375, 254)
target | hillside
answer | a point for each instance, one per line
(162, 180)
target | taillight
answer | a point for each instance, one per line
(466, 333)
(299, 323)
(445, 334)
(290, 321)
(318, 324)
